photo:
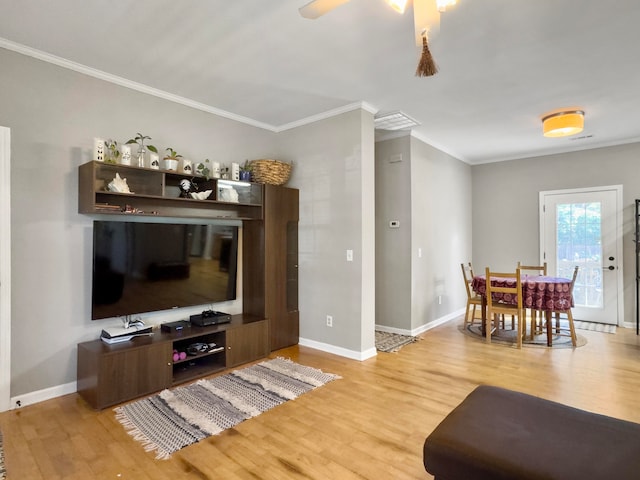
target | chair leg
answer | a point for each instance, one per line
(520, 329)
(572, 329)
(532, 315)
(534, 320)
(466, 314)
(488, 327)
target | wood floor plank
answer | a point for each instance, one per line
(370, 424)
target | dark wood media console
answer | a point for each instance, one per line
(111, 374)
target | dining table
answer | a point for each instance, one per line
(539, 292)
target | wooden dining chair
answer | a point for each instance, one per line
(538, 269)
(571, 330)
(473, 300)
(507, 301)
(533, 313)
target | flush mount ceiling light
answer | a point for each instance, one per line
(563, 124)
(394, 121)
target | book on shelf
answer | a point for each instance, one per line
(107, 206)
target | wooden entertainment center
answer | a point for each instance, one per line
(111, 374)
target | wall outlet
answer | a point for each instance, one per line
(329, 321)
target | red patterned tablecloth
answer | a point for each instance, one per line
(539, 292)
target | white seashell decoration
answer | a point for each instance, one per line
(201, 195)
(228, 195)
(119, 185)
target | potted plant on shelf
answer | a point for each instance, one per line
(245, 171)
(139, 140)
(111, 151)
(203, 169)
(171, 159)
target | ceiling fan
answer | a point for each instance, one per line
(426, 13)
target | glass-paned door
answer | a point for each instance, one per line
(581, 229)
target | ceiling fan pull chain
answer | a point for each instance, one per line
(426, 67)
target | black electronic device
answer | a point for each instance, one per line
(209, 317)
(175, 326)
(197, 348)
(143, 267)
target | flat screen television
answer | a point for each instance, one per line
(145, 267)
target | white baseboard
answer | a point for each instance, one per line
(72, 387)
(343, 352)
(42, 395)
(423, 328)
(397, 331)
(354, 355)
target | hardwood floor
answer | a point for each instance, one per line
(371, 424)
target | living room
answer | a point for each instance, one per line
(54, 110)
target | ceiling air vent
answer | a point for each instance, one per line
(394, 121)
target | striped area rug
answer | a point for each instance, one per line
(595, 327)
(171, 420)
(3, 471)
(392, 342)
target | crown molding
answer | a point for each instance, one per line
(123, 82)
(435, 145)
(139, 87)
(328, 114)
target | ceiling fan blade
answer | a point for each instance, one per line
(425, 16)
(318, 8)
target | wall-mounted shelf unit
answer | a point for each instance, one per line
(111, 374)
(157, 193)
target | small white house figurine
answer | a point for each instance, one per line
(154, 161)
(235, 171)
(215, 170)
(126, 155)
(98, 149)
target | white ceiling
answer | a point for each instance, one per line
(503, 63)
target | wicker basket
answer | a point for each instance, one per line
(272, 172)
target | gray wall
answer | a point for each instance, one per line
(505, 199)
(442, 223)
(54, 114)
(334, 172)
(429, 192)
(393, 245)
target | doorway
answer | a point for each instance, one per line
(5, 269)
(583, 227)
